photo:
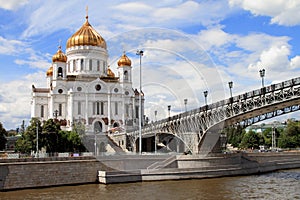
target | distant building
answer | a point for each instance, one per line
(259, 128)
(81, 87)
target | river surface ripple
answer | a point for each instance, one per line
(277, 185)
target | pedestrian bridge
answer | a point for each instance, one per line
(199, 130)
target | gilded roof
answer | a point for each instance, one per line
(50, 71)
(59, 56)
(86, 35)
(124, 61)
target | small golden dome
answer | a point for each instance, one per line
(124, 61)
(110, 73)
(86, 35)
(50, 71)
(59, 56)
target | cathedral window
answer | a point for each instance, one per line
(116, 108)
(136, 111)
(90, 64)
(74, 65)
(102, 108)
(126, 75)
(60, 109)
(81, 64)
(59, 72)
(42, 110)
(97, 108)
(98, 65)
(98, 87)
(79, 108)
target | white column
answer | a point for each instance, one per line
(71, 107)
(86, 109)
(109, 110)
(51, 107)
(33, 107)
(123, 111)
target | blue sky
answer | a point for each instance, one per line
(190, 46)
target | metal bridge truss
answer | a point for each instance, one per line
(245, 109)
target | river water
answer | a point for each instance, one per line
(276, 185)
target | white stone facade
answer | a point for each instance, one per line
(81, 88)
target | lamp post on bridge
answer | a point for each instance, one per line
(140, 53)
(205, 97)
(262, 75)
(185, 102)
(230, 88)
(169, 109)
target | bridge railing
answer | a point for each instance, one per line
(235, 99)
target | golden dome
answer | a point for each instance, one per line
(110, 73)
(86, 35)
(50, 71)
(124, 61)
(59, 56)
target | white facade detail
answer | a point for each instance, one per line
(81, 88)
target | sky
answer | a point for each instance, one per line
(189, 47)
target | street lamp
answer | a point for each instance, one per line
(169, 109)
(155, 114)
(230, 88)
(262, 75)
(140, 53)
(205, 96)
(185, 102)
(55, 113)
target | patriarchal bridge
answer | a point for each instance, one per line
(199, 130)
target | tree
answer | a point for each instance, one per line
(28, 141)
(50, 135)
(290, 138)
(234, 135)
(3, 140)
(251, 140)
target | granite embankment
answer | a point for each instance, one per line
(45, 172)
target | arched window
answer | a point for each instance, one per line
(126, 75)
(98, 65)
(98, 127)
(60, 109)
(60, 72)
(91, 64)
(81, 65)
(42, 110)
(74, 65)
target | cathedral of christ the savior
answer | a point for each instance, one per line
(82, 89)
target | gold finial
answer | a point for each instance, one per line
(87, 12)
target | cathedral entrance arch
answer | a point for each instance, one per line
(97, 127)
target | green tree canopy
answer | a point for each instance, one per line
(290, 138)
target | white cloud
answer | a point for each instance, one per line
(9, 47)
(15, 99)
(282, 12)
(12, 4)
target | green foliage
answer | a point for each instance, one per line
(3, 133)
(234, 135)
(51, 137)
(251, 140)
(28, 141)
(290, 138)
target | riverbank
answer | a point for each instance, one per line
(21, 174)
